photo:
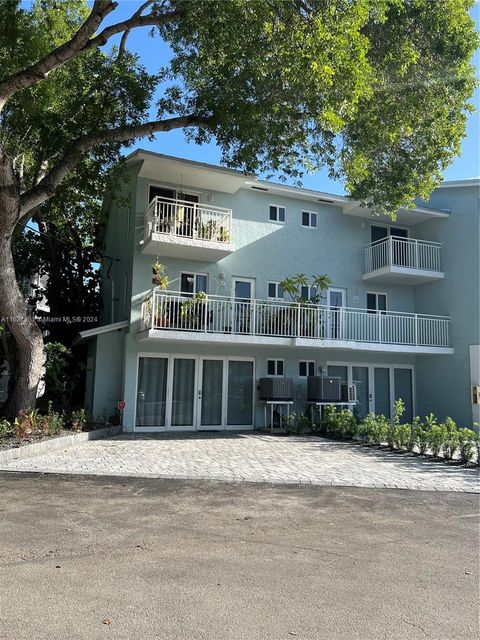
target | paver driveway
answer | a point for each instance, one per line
(252, 458)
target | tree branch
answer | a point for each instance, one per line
(46, 187)
(80, 43)
(123, 41)
(40, 70)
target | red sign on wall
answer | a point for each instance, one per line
(121, 405)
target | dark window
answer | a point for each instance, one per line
(193, 282)
(271, 367)
(279, 367)
(276, 214)
(376, 302)
(187, 283)
(272, 290)
(309, 219)
(378, 233)
(398, 232)
(306, 368)
(162, 193)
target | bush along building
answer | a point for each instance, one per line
(202, 300)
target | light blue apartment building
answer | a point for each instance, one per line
(401, 318)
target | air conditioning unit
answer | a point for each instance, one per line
(349, 393)
(280, 389)
(323, 389)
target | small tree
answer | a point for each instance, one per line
(294, 285)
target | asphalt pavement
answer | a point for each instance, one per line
(135, 558)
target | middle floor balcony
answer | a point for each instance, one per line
(168, 315)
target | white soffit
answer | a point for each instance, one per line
(192, 174)
(404, 216)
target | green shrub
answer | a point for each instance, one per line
(338, 424)
(374, 429)
(401, 436)
(437, 436)
(467, 440)
(55, 420)
(347, 424)
(423, 438)
(298, 422)
(5, 428)
(80, 420)
(451, 442)
(416, 431)
(394, 422)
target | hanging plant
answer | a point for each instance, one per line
(159, 278)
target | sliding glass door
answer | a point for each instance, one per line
(183, 392)
(211, 395)
(240, 393)
(152, 392)
(187, 393)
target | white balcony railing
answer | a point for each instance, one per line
(217, 314)
(402, 252)
(188, 220)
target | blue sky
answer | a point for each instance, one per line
(155, 53)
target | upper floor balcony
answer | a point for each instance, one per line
(176, 316)
(185, 229)
(398, 260)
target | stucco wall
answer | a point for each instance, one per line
(443, 385)
(108, 380)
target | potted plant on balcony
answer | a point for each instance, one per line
(209, 230)
(193, 311)
(223, 235)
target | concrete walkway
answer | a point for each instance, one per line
(252, 458)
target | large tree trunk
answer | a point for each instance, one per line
(27, 360)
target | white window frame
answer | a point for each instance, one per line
(376, 294)
(276, 374)
(307, 363)
(277, 287)
(277, 207)
(310, 225)
(194, 274)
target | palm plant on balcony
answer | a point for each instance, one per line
(307, 307)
